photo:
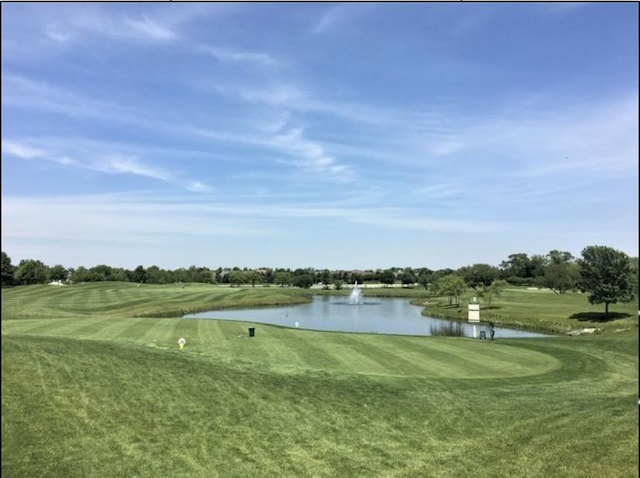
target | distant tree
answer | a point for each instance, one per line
(633, 263)
(493, 290)
(253, 277)
(607, 276)
(303, 281)
(282, 278)
(8, 270)
(155, 275)
(181, 275)
(538, 265)
(518, 265)
(81, 274)
(451, 285)
(31, 271)
(356, 277)
(559, 257)
(338, 285)
(340, 275)
(325, 277)
(425, 276)
(237, 277)
(561, 277)
(100, 273)
(58, 272)
(408, 277)
(199, 274)
(479, 276)
(441, 273)
(268, 276)
(119, 274)
(139, 274)
(520, 269)
(387, 277)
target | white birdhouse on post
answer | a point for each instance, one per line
(474, 314)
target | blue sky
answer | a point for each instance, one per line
(327, 135)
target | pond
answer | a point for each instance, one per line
(375, 315)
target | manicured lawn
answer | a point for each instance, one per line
(92, 387)
(530, 308)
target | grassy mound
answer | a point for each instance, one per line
(90, 390)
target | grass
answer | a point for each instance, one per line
(543, 310)
(91, 387)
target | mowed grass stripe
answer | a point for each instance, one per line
(413, 352)
(48, 326)
(25, 326)
(308, 351)
(91, 327)
(320, 354)
(290, 349)
(373, 348)
(439, 364)
(427, 357)
(479, 359)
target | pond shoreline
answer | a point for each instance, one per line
(382, 315)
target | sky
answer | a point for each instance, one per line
(325, 135)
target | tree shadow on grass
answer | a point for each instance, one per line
(599, 316)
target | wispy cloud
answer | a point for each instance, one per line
(96, 156)
(21, 150)
(197, 186)
(234, 55)
(25, 92)
(310, 155)
(59, 34)
(150, 29)
(294, 148)
(128, 216)
(330, 19)
(120, 164)
(94, 21)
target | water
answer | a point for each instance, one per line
(373, 315)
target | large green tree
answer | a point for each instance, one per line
(561, 273)
(518, 265)
(387, 277)
(237, 278)
(8, 270)
(607, 276)
(451, 285)
(305, 281)
(139, 274)
(58, 272)
(282, 278)
(31, 271)
(493, 290)
(408, 277)
(479, 276)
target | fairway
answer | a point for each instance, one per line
(290, 350)
(95, 385)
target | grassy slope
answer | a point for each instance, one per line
(109, 396)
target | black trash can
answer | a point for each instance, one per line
(252, 331)
(483, 335)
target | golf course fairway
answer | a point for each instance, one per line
(94, 391)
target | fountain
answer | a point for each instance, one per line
(356, 296)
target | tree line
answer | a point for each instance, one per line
(608, 274)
